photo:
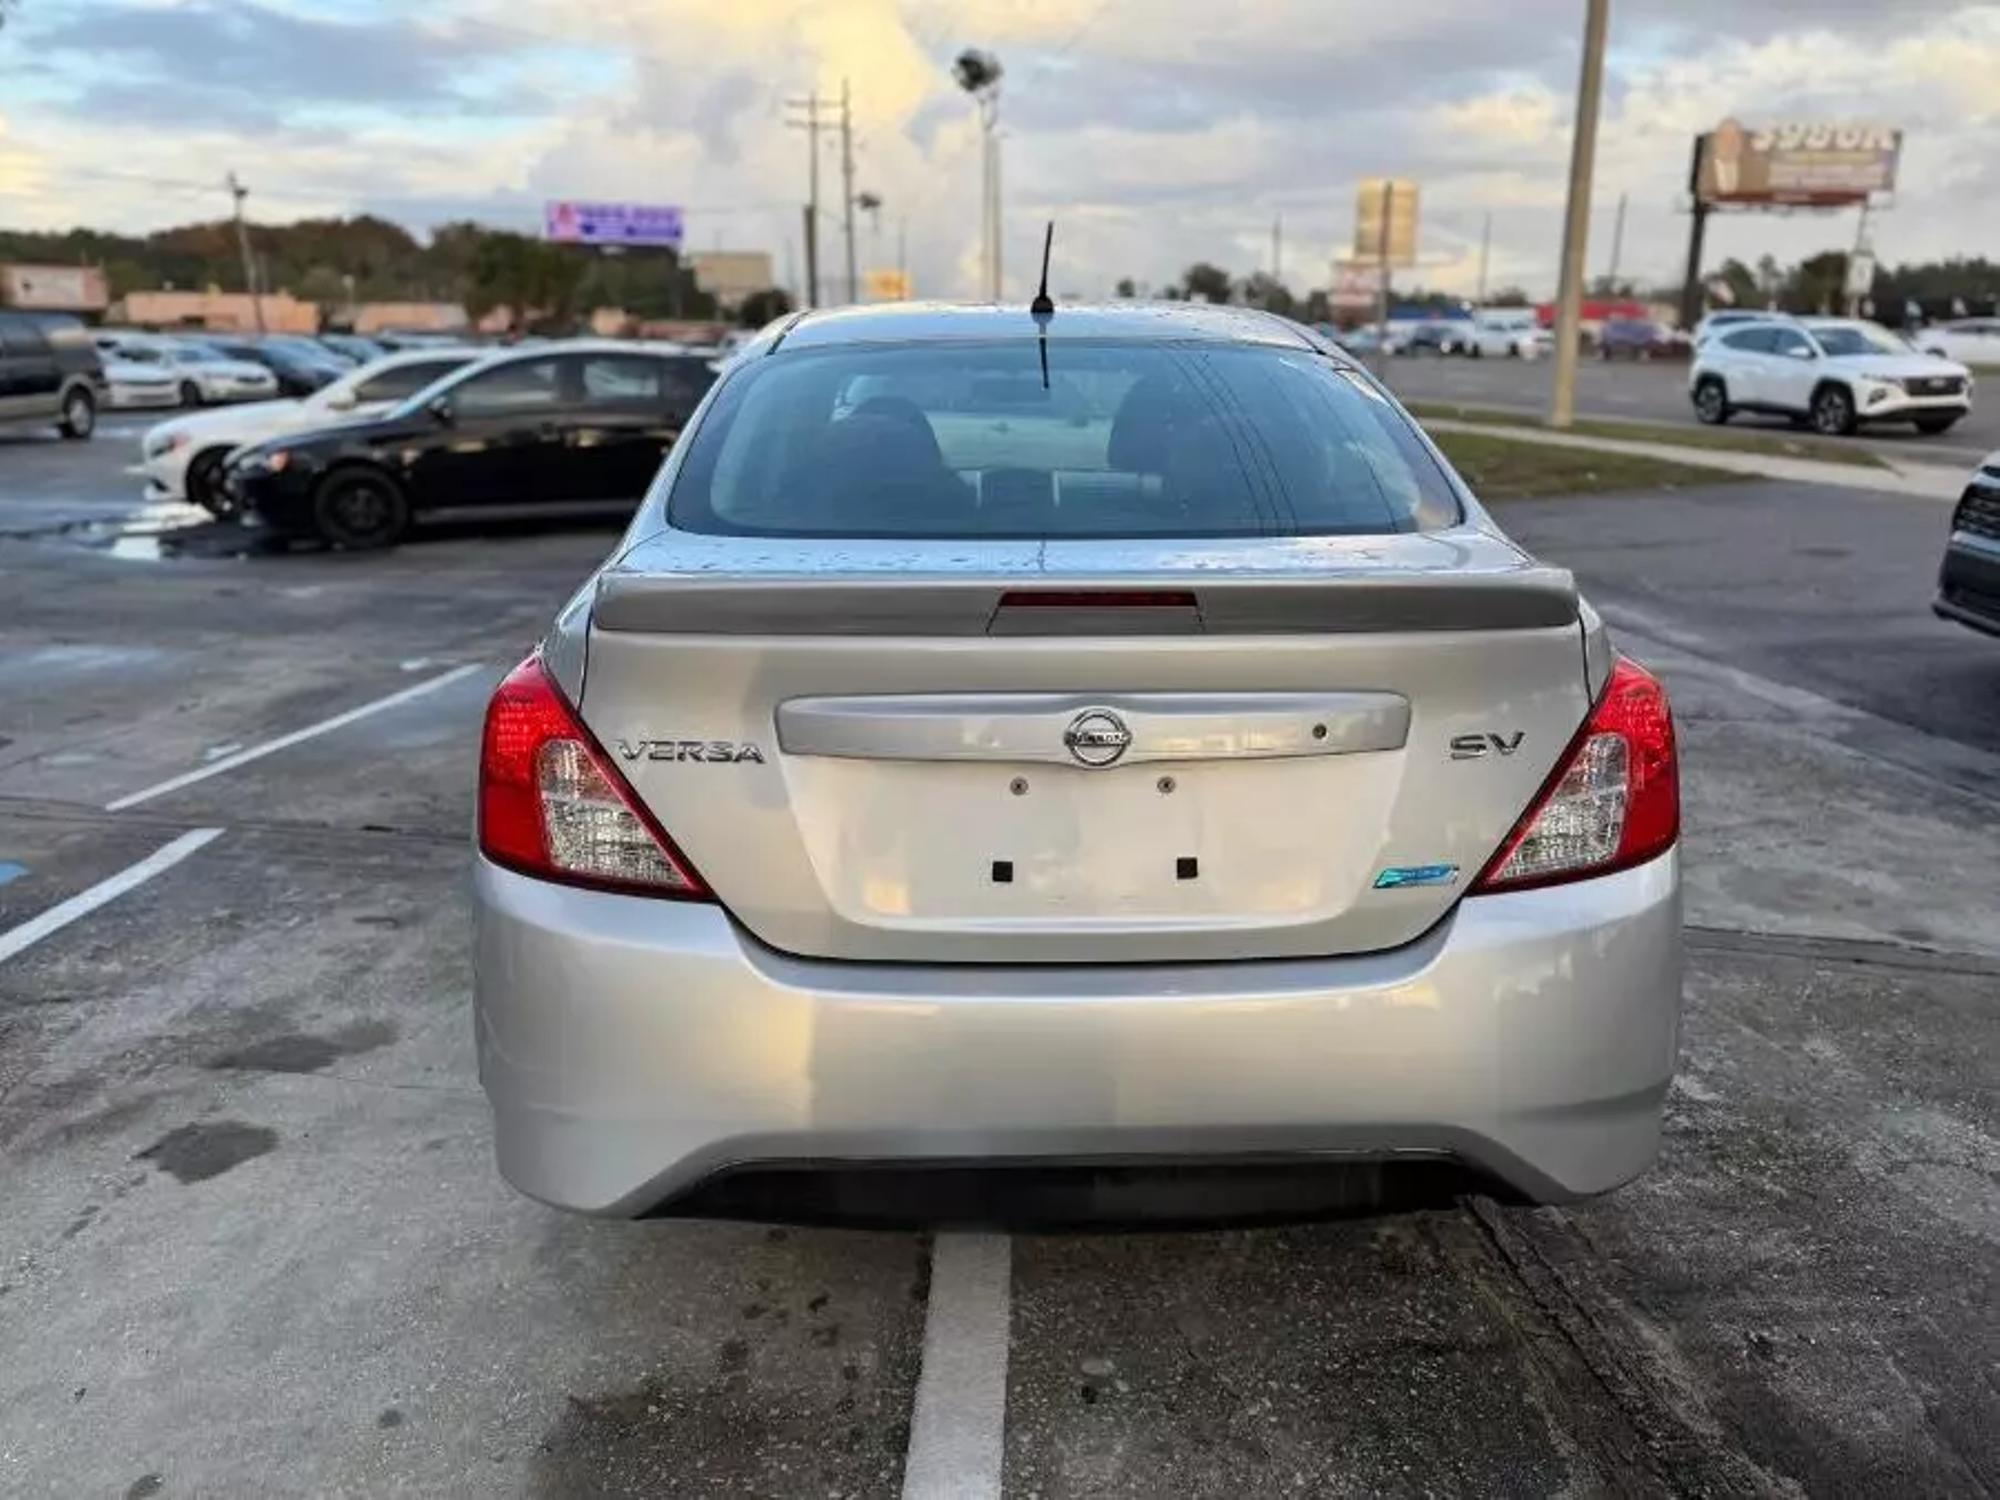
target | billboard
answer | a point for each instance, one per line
(1815, 166)
(1357, 286)
(571, 222)
(54, 288)
(1395, 197)
(731, 275)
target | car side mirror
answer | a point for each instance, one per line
(440, 408)
(1799, 351)
(341, 401)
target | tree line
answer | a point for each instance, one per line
(336, 262)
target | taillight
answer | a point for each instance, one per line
(552, 805)
(1613, 800)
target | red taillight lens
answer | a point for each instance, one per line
(1613, 801)
(552, 805)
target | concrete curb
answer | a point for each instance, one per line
(1918, 482)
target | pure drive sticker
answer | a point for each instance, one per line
(1397, 876)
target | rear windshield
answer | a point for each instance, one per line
(1115, 440)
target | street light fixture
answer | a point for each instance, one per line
(978, 73)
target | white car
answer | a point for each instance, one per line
(183, 458)
(138, 378)
(1509, 332)
(1831, 373)
(1972, 341)
(202, 376)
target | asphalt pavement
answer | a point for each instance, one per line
(1656, 391)
(255, 1243)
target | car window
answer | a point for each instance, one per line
(19, 335)
(1750, 340)
(1120, 439)
(1788, 340)
(404, 380)
(522, 385)
(622, 380)
(1857, 339)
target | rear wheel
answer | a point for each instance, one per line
(79, 415)
(204, 483)
(1934, 425)
(1832, 411)
(190, 393)
(1711, 401)
(360, 509)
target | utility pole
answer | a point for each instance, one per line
(1485, 250)
(1617, 245)
(1576, 218)
(1691, 280)
(239, 192)
(1861, 248)
(811, 106)
(978, 73)
(1382, 309)
(847, 188)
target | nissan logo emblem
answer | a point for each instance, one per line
(1097, 737)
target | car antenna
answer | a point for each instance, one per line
(1043, 308)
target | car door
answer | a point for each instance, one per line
(30, 379)
(634, 406)
(1739, 359)
(498, 439)
(1791, 369)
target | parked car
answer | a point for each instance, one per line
(183, 458)
(1832, 373)
(137, 377)
(1509, 332)
(1970, 341)
(1730, 317)
(558, 427)
(50, 375)
(944, 790)
(1440, 336)
(1635, 338)
(1969, 577)
(353, 346)
(203, 376)
(297, 371)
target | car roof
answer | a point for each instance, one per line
(939, 322)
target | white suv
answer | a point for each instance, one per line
(1834, 373)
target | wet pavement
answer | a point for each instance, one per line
(255, 1243)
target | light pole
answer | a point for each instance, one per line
(1576, 218)
(978, 73)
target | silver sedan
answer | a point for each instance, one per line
(1111, 741)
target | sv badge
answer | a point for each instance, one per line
(1473, 746)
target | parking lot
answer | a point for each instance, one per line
(1657, 392)
(255, 1242)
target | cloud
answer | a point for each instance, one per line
(1156, 132)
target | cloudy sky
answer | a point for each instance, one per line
(1155, 132)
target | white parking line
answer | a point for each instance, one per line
(297, 736)
(20, 939)
(960, 1421)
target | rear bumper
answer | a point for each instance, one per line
(633, 1047)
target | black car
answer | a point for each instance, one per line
(553, 429)
(1969, 580)
(301, 368)
(1439, 336)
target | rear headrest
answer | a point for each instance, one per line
(1142, 430)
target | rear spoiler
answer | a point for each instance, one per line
(1521, 598)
